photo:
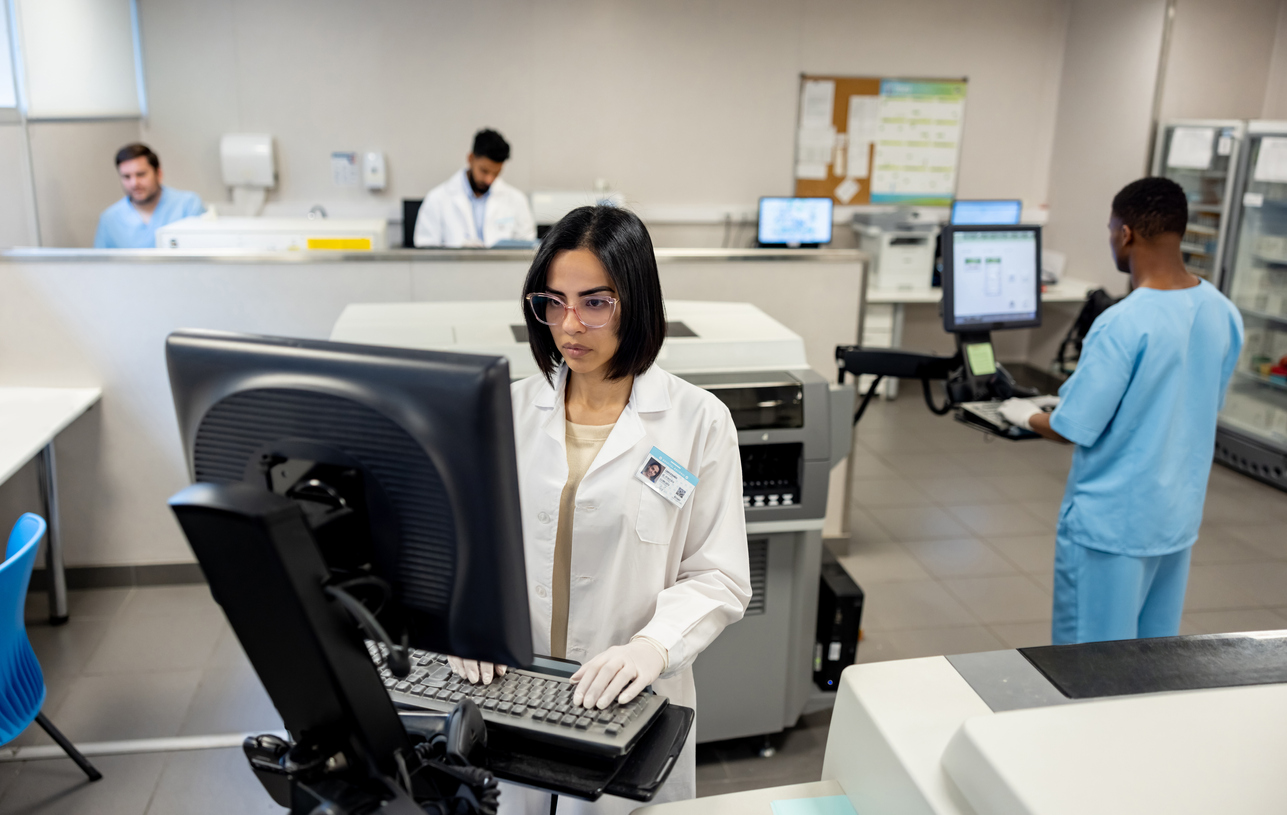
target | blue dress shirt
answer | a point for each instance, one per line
(122, 227)
(479, 205)
(1141, 408)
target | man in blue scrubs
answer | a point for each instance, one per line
(131, 222)
(1141, 408)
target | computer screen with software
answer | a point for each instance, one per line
(997, 211)
(991, 277)
(795, 221)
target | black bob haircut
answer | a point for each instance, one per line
(1152, 206)
(490, 144)
(621, 243)
(132, 151)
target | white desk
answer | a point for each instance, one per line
(30, 419)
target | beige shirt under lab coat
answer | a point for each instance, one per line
(640, 565)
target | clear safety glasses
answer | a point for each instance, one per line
(592, 311)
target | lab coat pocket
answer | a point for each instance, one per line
(656, 517)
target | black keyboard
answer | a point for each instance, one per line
(535, 705)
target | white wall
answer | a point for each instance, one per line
(1219, 63)
(1102, 129)
(1275, 102)
(677, 103)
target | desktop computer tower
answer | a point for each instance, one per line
(839, 620)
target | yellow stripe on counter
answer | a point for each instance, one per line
(349, 244)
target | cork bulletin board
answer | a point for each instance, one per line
(868, 140)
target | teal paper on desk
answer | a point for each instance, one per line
(827, 805)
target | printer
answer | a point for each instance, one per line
(792, 428)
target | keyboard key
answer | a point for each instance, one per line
(518, 710)
(456, 696)
(504, 707)
(489, 704)
(402, 687)
(583, 722)
(568, 719)
(390, 682)
(538, 715)
(604, 717)
(612, 730)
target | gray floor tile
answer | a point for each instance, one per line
(876, 646)
(913, 604)
(8, 772)
(1224, 622)
(1026, 486)
(210, 782)
(1265, 582)
(1212, 587)
(919, 523)
(63, 650)
(171, 601)
(1030, 553)
(1235, 508)
(867, 465)
(888, 492)
(154, 643)
(930, 642)
(1022, 635)
(966, 557)
(81, 604)
(863, 528)
(1269, 540)
(929, 465)
(1044, 579)
(230, 698)
(996, 463)
(1045, 510)
(55, 787)
(994, 520)
(881, 562)
(961, 490)
(109, 707)
(1223, 544)
(1014, 599)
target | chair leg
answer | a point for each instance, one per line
(68, 747)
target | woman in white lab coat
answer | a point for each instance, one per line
(619, 577)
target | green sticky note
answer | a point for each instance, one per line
(979, 355)
(827, 805)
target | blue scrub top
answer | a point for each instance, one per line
(1141, 408)
(121, 227)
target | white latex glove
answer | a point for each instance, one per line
(475, 671)
(621, 673)
(1019, 412)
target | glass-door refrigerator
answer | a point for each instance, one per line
(1252, 435)
(1201, 155)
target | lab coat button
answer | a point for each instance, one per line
(541, 592)
(543, 517)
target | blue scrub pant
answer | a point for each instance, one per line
(1100, 596)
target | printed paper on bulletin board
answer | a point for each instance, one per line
(891, 141)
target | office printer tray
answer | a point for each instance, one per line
(637, 775)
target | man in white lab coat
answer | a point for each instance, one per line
(474, 208)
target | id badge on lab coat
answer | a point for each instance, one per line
(667, 477)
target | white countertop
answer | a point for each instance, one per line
(30, 418)
(1068, 290)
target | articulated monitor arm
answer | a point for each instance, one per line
(883, 362)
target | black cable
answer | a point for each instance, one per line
(871, 391)
(929, 400)
(368, 580)
(399, 660)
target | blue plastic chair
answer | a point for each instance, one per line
(22, 685)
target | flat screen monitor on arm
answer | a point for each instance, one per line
(795, 222)
(966, 212)
(991, 278)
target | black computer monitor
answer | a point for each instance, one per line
(402, 460)
(991, 278)
(967, 212)
(795, 222)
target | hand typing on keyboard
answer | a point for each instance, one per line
(474, 670)
(619, 673)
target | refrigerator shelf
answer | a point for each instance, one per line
(1248, 376)
(1280, 319)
